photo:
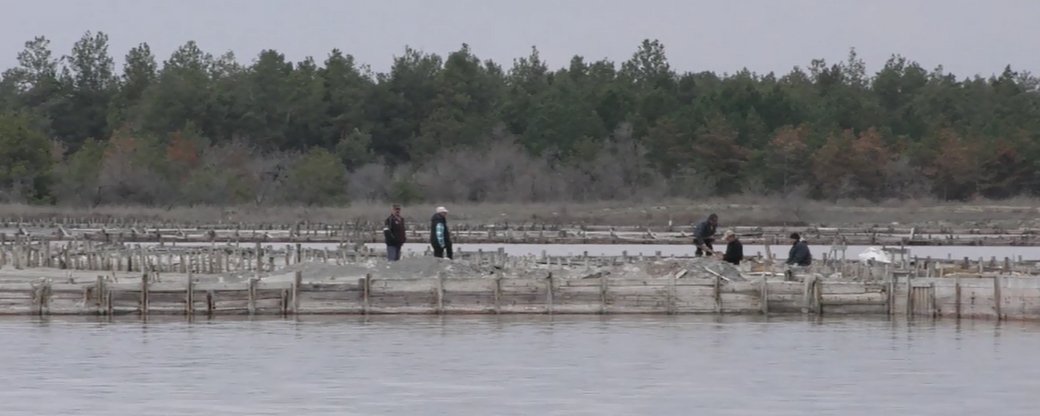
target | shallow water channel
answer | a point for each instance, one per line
(518, 365)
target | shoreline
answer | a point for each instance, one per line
(745, 211)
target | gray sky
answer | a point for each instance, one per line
(966, 37)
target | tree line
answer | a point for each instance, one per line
(197, 128)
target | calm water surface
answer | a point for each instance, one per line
(619, 365)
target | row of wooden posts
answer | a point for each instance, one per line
(106, 298)
(544, 295)
(217, 259)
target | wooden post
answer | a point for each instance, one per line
(957, 295)
(549, 294)
(259, 258)
(718, 295)
(440, 293)
(931, 300)
(299, 252)
(284, 302)
(108, 302)
(765, 296)
(671, 294)
(41, 297)
(211, 303)
(251, 306)
(297, 281)
(498, 294)
(603, 294)
(144, 294)
(997, 300)
(189, 298)
(818, 291)
(807, 295)
(99, 295)
(366, 291)
(909, 297)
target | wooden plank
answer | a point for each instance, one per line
(874, 298)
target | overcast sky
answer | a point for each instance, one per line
(966, 37)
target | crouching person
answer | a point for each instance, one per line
(799, 256)
(734, 248)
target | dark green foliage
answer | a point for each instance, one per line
(199, 129)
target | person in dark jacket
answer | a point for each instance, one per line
(799, 254)
(440, 236)
(734, 248)
(703, 235)
(394, 233)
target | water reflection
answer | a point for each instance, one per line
(522, 365)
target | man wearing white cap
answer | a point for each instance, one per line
(440, 236)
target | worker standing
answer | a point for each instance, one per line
(394, 233)
(440, 236)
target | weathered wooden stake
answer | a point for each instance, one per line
(297, 281)
(211, 303)
(671, 295)
(189, 297)
(440, 293)
(366, 290)
(251, 306)
(498, 294)
(931, 299)
(549, 294)
(764, 294)
(818, 290)
(957, 295)
(909, 297)
(99, 295)
(603, 294)
(144, 294)
(718, 294)
(997, 300)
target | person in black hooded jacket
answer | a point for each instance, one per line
(440, 236)
(394, 233)
(799, 254)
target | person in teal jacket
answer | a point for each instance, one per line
(440, 236)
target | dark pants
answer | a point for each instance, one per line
(700, 252)
(441, 251)
(393, 253)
